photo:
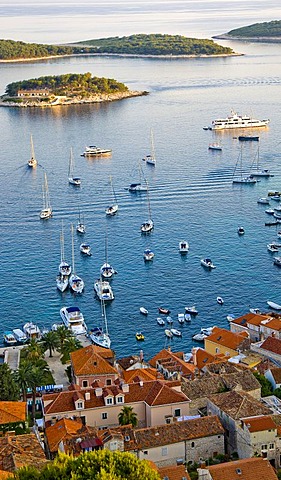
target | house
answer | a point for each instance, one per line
(186, 441)
(38, 92)
(172, 365)
(273, 374)
(17, 451)
(201, 358)
(155, 403)
(226, 342)
(174, 472)
(249, 323)
(12, 415)
(246, 469)
(271, 328)
(269, 348)
(131, 362)
(230, 407)
(92, 364)
(141, 374)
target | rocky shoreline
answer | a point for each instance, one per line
(225, 36)
(63, 100)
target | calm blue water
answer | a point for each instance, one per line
(192, 196)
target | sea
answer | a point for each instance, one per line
(191, 193)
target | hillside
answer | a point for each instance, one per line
(259, 32)
(12, 50)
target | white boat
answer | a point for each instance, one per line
(72, 179)
(103, 290)
(279, 234)
(160, 321)
(80, 227)
(207, 331)
(46, 211)
(183, 247)
(273, 305)
(263, 200)
(220, 300)
(169, 320)
(147, 226)
(256, 170)
(191, 310)
(64, 267)
(62, 282)
(256, 311)
(199, 337)
(150, 159)
(277, 261)
(85, 249)
(141, 185)
(144, 311)
(19, 335)
(238, 175)
(32, 162)
(240, 230)
(73, 320)
(269, 211)
(106, 270)
(176, 332)
(148, 255)
(75, 282)
(215, 146)
(9, 338)
(94, 151)
(181, 318)
(168, 333)
(207, 263)
(187, 317)
(112, 209)
(31, 330)
(100, 338)
(272, 247)
(230, 318)
(237, 121)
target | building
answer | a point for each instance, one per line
(222, 341)
(249, 323)
(247, 469)
(93, 364)
(13, 415)
(38, 92)
(269, 348)
(172, 365)
(273, 374)
(17, 451)
(174, 472)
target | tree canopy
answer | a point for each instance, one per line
(9, 389)
(97, 465)
(265, 29)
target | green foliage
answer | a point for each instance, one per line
(157, 44)
(277, 392)
(70, 345)
(98, 465)
(70, 84)
(266, 388)
(50, 342)
(33, 351)
(9, 390)
(10, 49)
(128, 416)
(266, 29)
(279, 474)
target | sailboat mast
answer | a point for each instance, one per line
(72, 238)
(103, 314)
(62, 242)
(152, 145)
(148, 201)
(32, 148)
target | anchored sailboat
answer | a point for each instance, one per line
(150, 159)
(147, 226)
(98, 335)
(64, 268)
(75, 282)
(106, 269)
(46, 211)
(240, 178)
(256, 170)
(80, 227)
(32, 162)
(73, 180)
(112, 209)
(138, 187)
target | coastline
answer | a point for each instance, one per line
(63, 100)
(225, 36)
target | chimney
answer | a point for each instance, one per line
(98, 392)
(141, 383)
(125, 387)
(87, 395)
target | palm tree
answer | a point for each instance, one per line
(33, 351)
(37, 376)
(70, 345)
(128, 416)
(63, 334)
(21, 377)
(50, 341)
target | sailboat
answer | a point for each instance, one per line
(71, 178)
(258, 172)
(138, 187)
(99, 336)
(46, 211)
(151, 159)
(75, 282)
(106, 270)
(147, 226)
(240, 179)
(64, 267)
(80, 227)
(32, 162)
(112, 209)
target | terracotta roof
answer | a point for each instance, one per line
(173, 472)
(90, 361)
(259, 424)
(144, 374)
(272, 345)
(61, 430)
(226, 338)
(12, 412)
(127, 362)
(4, 475)
(274, 324)
(17, 451)
(239, 405)
(165, 353)
(246, 469)
(173, 362)
(276, 373)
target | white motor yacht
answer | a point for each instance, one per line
(9, 338)
(31, 330)
(148, 255)
(183, 247)
(19, 335)
(103, 290)
(94, 151)
(237, 121)
(207, 263)
(181, 318)
(85, 249)
(73, 320)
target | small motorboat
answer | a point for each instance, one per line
(199, 337)
(107, 271)
(19, 335)
(111, 210)
(263, 200)
(9, 338)
(80, 228)
(137, 187)
(273, 247)
(160, 321)
(168, 333)
(148, 255)
(207, 331)
(169, 320)
(256, 311)
(269, 211)
(164, 311)
(181, 318)
(240, 230)
(139, 336)
(183, 247)
(248, 138)
(271, 224)
(187, 317)
(176, 332)
(206, 128)
(277, 261)
(274, 305)
(207, 263)
(215, 146)
(85, 249)
(143, 311)
(191, 310)
(220, 300)
(230, 318)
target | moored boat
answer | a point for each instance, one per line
(263, 200)
(103, 290)
(215, 146)
(73, 320)
(248, 138)
(220, 300)
(94, 151)
(181, 318)
(32, 162)
(144, 311)
(148, 255)
(85, 249)
(168, 333)
(207, 263)
(273, 305)
(62, 282)
(237, 121)
(75, 282)
(176, 332)
(277, 261)
(19, 335)
(191, 310)
(46, 211)
(72, 179)
(240, 230)
(272, 247)
(183, 247)
(97, 335)
(160, 321)
(139, 336)
(9, 338)
(163, 310)
(31, 330)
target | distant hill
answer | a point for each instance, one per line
(12, 50)
(267, 31)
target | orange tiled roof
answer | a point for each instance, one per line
(12, 412)
(175, 360)
(90, 361)
(272, 345)
(17, 451)
(259, 424)
(239, 405)
(251, 318)
(226, 338)
(245, 469)
(61, 430)
(276, 373)
(165, 353)
(4, 475)
(145, 374)
(274, 324)
(174, 472)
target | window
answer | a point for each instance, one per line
(145, 452)
(177, 412)
(264, 447)
(164, 451)
(109, 401)
(79, 404)
(120, 399)
(271, 446)
(217, 350)
(192, 444)
(108, 381)
(85, 383)
(104, 416)
(168, 420)
(113, 446)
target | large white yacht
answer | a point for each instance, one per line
(103, 290)
(237, 121)
(73, 319)
(94, 151)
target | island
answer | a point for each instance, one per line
(258, 32)
(71, 88)
(154, 45)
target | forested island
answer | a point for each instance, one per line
(134, 45)
(64, 90)
(265, 32)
